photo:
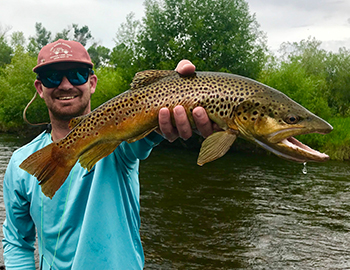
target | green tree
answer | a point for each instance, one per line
(5, 49)
(18, 39)
(42, 37)
(293, 80)
(338, 78)
(124, 55)
(64, 34)
(100, 55)
(308, 53)
(82, 34)
(5, 52)
(16, 90)
(333, 69)
(218, 35)
(74, 32)
(301, 74)
(110, 84)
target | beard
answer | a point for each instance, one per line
(68, 115)
(65, 112)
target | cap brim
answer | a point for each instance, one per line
(42, 65)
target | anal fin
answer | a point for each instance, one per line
(216, 145)
(96, 152)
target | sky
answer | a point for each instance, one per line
(281, 20)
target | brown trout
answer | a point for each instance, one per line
(240, 107)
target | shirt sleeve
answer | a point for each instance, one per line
(140, 149)
(18, 228)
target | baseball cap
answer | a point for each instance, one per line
(62, 51)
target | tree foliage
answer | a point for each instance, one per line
(338, 79)
(42, 37)
(218, 35)
(100, 55)
(312, 76)
(16, 89)
(110, 83)
(5, 52)
(82, 34)
(18, 39)
(125, 56)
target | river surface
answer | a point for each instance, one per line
(243, 211)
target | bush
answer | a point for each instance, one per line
(308, 90)
(110, 84)
(16, 90)
(337, 143)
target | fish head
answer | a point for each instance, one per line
(271, 119)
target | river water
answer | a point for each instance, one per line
(243, 211)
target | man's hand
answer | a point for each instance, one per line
(183, 128)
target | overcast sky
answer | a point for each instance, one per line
(282, 20)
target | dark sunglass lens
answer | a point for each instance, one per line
(51, 78)
(78, 76)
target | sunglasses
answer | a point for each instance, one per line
(53, 78)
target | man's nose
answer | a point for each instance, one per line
(65, 84)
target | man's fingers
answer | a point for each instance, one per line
(169, 132)
(183, 127)
(185, 68)
(203, 123)
(182, 124)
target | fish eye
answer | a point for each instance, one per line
(291, 119)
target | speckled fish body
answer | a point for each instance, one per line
(240, 106)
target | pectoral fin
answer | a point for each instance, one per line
(216, 145)
(142, 135)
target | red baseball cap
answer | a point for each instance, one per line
(62, 51)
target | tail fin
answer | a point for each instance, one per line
(50, 167)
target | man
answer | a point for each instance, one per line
(93, 220)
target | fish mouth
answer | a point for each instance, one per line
(308, 153)
(292, 149)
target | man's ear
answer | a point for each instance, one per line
(39, 87)
(93, 83)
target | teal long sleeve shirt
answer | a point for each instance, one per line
(93, 220)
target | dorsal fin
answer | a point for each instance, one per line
(144, 78)
(75, 121)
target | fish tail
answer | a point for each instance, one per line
(50, 166)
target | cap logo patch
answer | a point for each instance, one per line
(60, 51)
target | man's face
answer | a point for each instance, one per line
(66, 100)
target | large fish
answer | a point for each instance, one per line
(240, 106)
